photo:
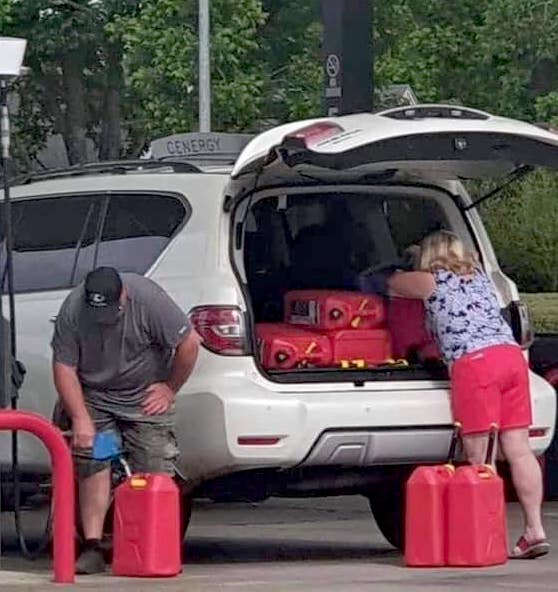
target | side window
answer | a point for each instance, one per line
(53, 242)
(137, 229)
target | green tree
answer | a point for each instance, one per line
(523, 227)
(291, 53)
(76, 81)
(160, 61)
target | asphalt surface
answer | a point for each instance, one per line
(292, 546)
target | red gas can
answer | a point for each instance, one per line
(477, 528)
(425, 516)
(426, 511)
(408, 331)
(331, 309)
(370, 346)
(284, 347)
(147, 527)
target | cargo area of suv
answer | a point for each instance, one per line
(324, 239)
(316, 204)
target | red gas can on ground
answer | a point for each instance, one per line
(477, 526)
(334, 309)
(425, 517)
(284, 347)
(147, 527)
(372, 346)
(477, 533)
(426, 512)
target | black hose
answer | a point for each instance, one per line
(15, 369)
(44, 541)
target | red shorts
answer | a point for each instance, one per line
(490, 386)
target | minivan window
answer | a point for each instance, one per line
(46, 234)
(137, 229)
(411, 219)
(57, 240)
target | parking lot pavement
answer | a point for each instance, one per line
(294, 546)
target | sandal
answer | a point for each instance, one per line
(526, 550)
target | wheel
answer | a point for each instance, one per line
(388, 508)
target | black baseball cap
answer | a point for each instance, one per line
(103, 288)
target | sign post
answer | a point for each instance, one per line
(348, 63)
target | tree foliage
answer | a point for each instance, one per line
(108, 75)
(160, 60)
(523, 227)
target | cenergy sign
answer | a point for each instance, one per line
(211, 146)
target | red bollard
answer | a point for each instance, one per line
(63, 487)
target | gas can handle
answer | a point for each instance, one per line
(453, 444)
(489, 461)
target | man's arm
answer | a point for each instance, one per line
(161, 395)
(184, 360)
(71, 394)
(411, 284)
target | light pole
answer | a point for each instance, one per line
(12, 50)
(204, 76)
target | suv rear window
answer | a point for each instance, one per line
(57, 240)
(324, 240)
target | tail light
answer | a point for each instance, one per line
(221, 329)
(312, 134)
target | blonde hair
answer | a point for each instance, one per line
(445, 250)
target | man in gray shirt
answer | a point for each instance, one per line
(122, 350)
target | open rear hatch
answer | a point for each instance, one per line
(396, 148)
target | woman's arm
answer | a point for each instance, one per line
(411, 284)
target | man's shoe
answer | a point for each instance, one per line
(91, 561)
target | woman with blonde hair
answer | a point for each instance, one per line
(489, 375)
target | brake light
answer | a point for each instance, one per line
(314, 133)
(221, 329)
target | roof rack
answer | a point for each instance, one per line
(439, 111)
(112, 167)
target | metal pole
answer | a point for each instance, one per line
(5, 134)
(204, 68)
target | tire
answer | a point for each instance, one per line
(388, 508)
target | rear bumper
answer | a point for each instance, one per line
(239, 424)
(375, 446)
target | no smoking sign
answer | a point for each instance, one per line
(333, 65)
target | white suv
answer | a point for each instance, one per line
(308, 204)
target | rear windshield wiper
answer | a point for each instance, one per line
(515, 175)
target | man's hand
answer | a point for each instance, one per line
(83, 432)
(159, 399)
